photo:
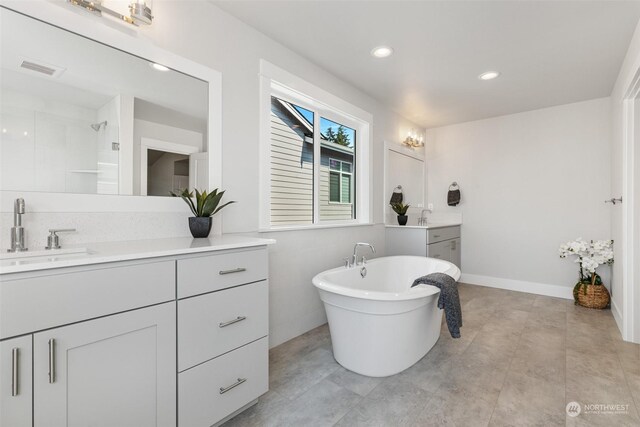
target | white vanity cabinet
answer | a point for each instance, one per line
(155, 341)
(15, 382)
(114, 371)
(442, 242)
(223, 323)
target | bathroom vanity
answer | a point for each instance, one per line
(148, 333)
(437, 240)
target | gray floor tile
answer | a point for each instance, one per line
(324, 404)
(395, 402)
(520, 360)
(528, 401)
(356, 383)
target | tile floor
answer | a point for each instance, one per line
(520, 360)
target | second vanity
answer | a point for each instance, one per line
(437, 240)
(150, 333)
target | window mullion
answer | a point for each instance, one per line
(316, 166)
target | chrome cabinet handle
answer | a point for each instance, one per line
(15, 355)
(436, 236)
(231, 322)
(437, 256)
(223, 390)
(453, 244)
(235, 270)
(52, 361)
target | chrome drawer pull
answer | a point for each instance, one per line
(436, 236)
(15, 354)
(235, 270)
(52, 361)
(231, 322)
(223, 390)
(437, 256)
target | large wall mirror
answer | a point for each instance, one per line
(78, 116)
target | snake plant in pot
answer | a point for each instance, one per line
(401, 209)
(206, 205)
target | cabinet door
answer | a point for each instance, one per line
(440, 250)
(117, 370)
(15, 382)
(455, 252)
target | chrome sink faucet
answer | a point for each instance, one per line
(423, 217)
(354, 257)
(17, 231)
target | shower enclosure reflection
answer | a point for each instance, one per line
(75, 114)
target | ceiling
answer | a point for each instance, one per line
(549, 52)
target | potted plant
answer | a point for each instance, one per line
(401, 210)
(203, 209)
(590, 291)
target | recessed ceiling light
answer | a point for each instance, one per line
(489, 75)
(158, 67)
(381, 51)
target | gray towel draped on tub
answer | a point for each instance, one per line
(448, 299)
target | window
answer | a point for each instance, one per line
(340, 181)
(314, 159)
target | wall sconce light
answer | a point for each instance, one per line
(139, 10)
(413, 140)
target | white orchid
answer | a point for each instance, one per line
(590, 255)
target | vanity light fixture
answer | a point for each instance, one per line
(139, 10)
(158, 67)
(413, 140)
(381, 52)
(489, 75)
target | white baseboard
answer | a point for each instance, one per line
(617, 315)
(519, 286)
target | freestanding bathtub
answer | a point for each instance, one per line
(380, 325)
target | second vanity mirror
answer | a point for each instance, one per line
(78, 116)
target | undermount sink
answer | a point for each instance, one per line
(44, 253)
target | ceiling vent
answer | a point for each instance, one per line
(41, 67)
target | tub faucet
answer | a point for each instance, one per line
(423, 217)
(354, 257)
(17, 231)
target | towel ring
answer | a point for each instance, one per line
(454, 186)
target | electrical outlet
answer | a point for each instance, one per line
(430, 206)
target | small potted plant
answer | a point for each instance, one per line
(401, 210)
(203, 209)
(590, 291)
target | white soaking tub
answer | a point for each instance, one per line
(380, 325)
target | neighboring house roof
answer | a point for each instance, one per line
(303, 122)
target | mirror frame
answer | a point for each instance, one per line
(128, 41)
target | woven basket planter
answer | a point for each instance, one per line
(591, 296)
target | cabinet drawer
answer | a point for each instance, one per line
(441, 234)
(214, 272)
(218, 322)
(206, 393)
(36, 303)
(440, 250)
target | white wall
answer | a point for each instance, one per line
(205, 34)
(529, 182)
(620, 162)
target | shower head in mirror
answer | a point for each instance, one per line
(97, 126)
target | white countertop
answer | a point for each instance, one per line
(99, 253)
(429, 226)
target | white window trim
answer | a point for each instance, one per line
(280, 83)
